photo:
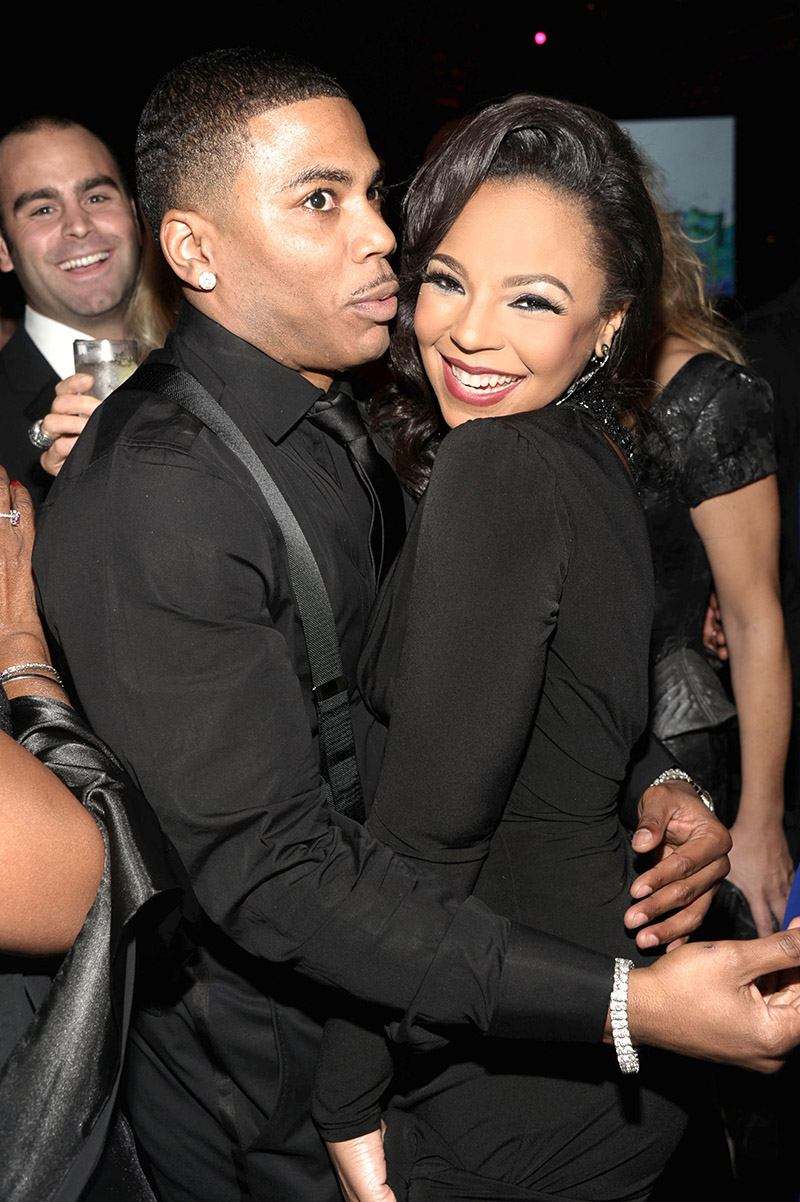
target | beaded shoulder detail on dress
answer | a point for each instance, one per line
(589, 396)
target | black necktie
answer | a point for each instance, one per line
(340, 417)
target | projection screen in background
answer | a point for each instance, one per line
(696, 159)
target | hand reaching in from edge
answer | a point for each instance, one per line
(703, 1001)
(713, 631)
(761, 866)
(361, 1168)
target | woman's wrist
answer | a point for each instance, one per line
(756, 815)
(22, 647)
(18, 649)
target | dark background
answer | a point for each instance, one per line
(409, 70)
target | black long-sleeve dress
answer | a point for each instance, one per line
(510, 650)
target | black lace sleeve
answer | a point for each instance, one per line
(717, 417)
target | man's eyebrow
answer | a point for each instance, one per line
(97, 181)
(319, 174)
(25, 198)
(84, 185)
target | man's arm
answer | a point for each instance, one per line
(700, 1001)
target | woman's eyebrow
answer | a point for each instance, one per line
(522, 281)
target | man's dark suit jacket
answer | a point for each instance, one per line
(27, 388)
(164, 585)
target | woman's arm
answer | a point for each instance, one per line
(51, 857)
(739, 531)
(51, 852)
(482, 607)
(22, 639)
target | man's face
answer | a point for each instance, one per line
(72, 239)
(301, 247)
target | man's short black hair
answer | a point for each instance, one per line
(193, 133)
(44, 121)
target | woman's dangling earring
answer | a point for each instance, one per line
(596, 364)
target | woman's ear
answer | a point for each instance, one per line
(608, 331)
(188, 241)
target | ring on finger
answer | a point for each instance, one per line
(13, 516)
(38, 437)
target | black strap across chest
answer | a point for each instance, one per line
(337, 748)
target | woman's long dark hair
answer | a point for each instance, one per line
(580, 154)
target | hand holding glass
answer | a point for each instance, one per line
(109, 360)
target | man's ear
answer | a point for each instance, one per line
(5, 257)
(188, 241)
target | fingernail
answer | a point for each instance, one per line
(636, 919)
(16, 482)
(639, 891)
(646, 940)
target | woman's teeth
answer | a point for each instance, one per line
(483, 382)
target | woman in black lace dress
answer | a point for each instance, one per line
(509, 652)
(713, 519)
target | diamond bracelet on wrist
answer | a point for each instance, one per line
(679, 774)
(18, 671)
(627, 1056)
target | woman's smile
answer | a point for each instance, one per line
(477, 385)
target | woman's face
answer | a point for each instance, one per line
(509, 310)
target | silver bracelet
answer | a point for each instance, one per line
(627, 1056)
(679, 774)
(25, 669)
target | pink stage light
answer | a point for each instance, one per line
(540, 38)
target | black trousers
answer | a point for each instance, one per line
(218, 1084)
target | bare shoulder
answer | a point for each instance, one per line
(672, 354)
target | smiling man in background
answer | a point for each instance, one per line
(68, 228)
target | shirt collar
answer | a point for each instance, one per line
(277, 396)
(53, 340)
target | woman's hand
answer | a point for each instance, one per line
(18, 615)
(761, 866)
(361, 1168)
(713, 630)
(21, 636)
(690, 848)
